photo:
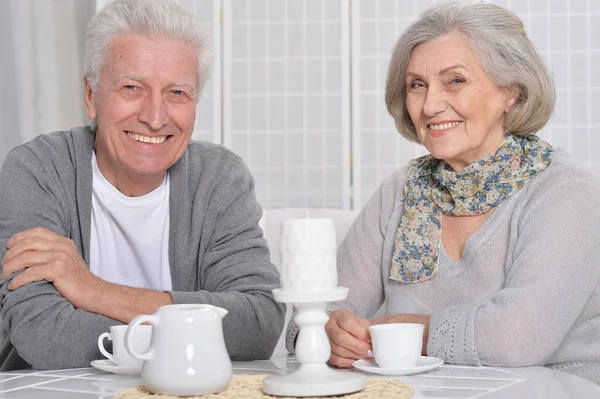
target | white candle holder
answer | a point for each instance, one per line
(314, 377)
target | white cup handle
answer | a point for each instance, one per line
(101, 345)
(129, 336)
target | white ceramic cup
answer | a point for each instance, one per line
(120, 355)
(397, 345)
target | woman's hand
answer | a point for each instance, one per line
(408, 318)
(349, 338)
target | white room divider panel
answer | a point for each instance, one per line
(378, 149)
(568, 35)
(286, 103)
(208, 113)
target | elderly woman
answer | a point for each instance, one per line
(493, 240)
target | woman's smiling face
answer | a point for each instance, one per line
(458, 112)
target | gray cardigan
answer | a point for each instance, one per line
(526, 291)
(217, 254)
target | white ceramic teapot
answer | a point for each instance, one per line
(187, 354)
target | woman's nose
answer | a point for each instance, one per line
(435, 102)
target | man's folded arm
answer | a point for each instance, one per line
(46, 330)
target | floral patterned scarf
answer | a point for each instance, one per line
(433, 188)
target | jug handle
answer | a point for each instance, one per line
(129, 336)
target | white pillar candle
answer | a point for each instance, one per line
(308, 255)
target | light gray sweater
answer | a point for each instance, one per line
(526, 291)
(217, 254)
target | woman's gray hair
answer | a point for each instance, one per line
(500, 43)
(161, 18)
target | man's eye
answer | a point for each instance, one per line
(457, 80)
(178, 92)
(130, 87)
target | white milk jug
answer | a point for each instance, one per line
(187, 354)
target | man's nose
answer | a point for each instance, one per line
(154, 111)
(435, 101)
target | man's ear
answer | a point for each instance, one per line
(90, 104)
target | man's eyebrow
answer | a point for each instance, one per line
(141, 80)
(130, 77)
(186, 84)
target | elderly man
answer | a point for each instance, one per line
(100, 224)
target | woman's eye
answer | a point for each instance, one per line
(416, 85)
(457, 80)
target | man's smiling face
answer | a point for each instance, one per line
(145, 106)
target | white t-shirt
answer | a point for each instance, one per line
(130, 235)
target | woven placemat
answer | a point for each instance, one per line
(249, 386)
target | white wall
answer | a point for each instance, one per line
(41, 47)
(9, 119)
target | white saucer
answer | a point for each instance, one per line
(426, 363)
(112, 367)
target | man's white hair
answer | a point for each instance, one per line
(154, 18)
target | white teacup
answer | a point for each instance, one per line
(397, 345)
(120, 355)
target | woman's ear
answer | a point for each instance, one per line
(90, 104)
(512, 95)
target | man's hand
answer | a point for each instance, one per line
(45, 255)
(349, 338)
(408, 318)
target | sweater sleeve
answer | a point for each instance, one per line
(235, 271)
(550, 276)
(41, 326)
(360, 255)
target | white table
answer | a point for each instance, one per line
(444, 382)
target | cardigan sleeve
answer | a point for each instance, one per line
(235, 271)
(551, 273)
(41, 329)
